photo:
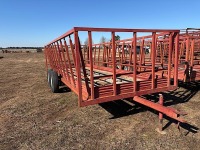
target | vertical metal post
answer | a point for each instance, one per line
(160, 126)
(187, 49)
(91, 64)
(192, 58)
(186, 75)
(114, 63)
(108, 53)
(156, 52)
(123, 54)
(104, 56)
(151, 50)
(169, 60)
(135, 61)
(78, 68)
(99, 53)
(153, 59)
(173, 48)
(130, 55)
(143, 52)
(160, 123)
(161, 53)
(176, 59)
(95, 49)
(160, 114)
(192, 53)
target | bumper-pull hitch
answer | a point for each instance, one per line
(168, 111)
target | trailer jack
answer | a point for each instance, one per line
(168, 111)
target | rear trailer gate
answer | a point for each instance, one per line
(117, 69)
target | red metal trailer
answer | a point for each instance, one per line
(189, 55)
(188, 59)
(114, 70)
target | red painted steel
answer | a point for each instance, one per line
(170, 112)
(121, 69)
(161, 102)
(189, 57)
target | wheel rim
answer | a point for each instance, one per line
(126, 68)
(51, 82)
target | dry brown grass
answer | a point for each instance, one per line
(31, 117)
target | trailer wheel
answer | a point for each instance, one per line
(118, 67)
(49, 76)
(127, 68)
(54, 82)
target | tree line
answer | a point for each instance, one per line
(22, 48)
(103, 39)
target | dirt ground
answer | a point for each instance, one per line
(32, 117)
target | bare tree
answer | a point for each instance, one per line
(80, 42)
(117, 37)
(103, 39)
(86, 42)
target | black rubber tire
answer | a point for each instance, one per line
(118, 67)
(54, 82)
(105, 65)
(49, 76)
(126, 68)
